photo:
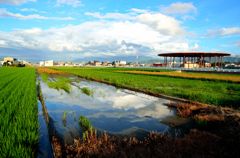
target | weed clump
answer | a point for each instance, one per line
(89, 133)
(87, 91)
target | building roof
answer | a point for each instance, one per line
(194, 54)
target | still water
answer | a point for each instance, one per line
(116, 111)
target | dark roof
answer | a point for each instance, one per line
(194, 54)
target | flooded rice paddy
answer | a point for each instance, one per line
(118, 112)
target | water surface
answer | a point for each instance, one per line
(117, 111)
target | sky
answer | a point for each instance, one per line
(78, 29)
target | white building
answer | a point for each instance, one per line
(41, 63)
(120, 63)
(1, 63)
(46, 63)
(25, 63)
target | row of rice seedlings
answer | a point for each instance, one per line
(60, 83)
(19, 114)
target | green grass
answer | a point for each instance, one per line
(58, 82)
(85, 123)
(19, 112)
(205, 91)
(87, 128)
(87, 91)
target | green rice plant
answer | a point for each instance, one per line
(87, 91)
(45, 77)
(89, 133)
(59, 83)
(85, 123)
(19, 112)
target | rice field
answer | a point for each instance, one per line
(19, 113)
(19, 126)
(217, 91)
(203, 76)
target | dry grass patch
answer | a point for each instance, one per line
(44, 70)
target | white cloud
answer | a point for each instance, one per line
(31, 10)
(145, 33)
(165, 24)
(116, 16)
(74, 3)
(4, 14)
(179, 8)
(224, 31)
(15, 2)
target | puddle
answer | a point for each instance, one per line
(115, 111)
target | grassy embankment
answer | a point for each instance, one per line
(19, 113)
(223, 92)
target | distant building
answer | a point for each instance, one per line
(120, 63)
(46, 63)
(10, 61)
(41, 63)
(194, 59)
(23, 62)
(94, 63)
(97, 63)
(158, 65)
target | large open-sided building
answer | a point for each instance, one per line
(193, 59)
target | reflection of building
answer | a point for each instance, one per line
(194, 59)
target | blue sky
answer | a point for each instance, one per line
(75, 29)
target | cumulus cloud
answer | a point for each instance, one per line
(165, 24)
(143, 33)
(224, 31)
(73, 3)
(6, 14)
(179, 8)
(15, 2)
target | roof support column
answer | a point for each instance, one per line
(180, 61)
(166, 62)
(215, 61)
(222, 62)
